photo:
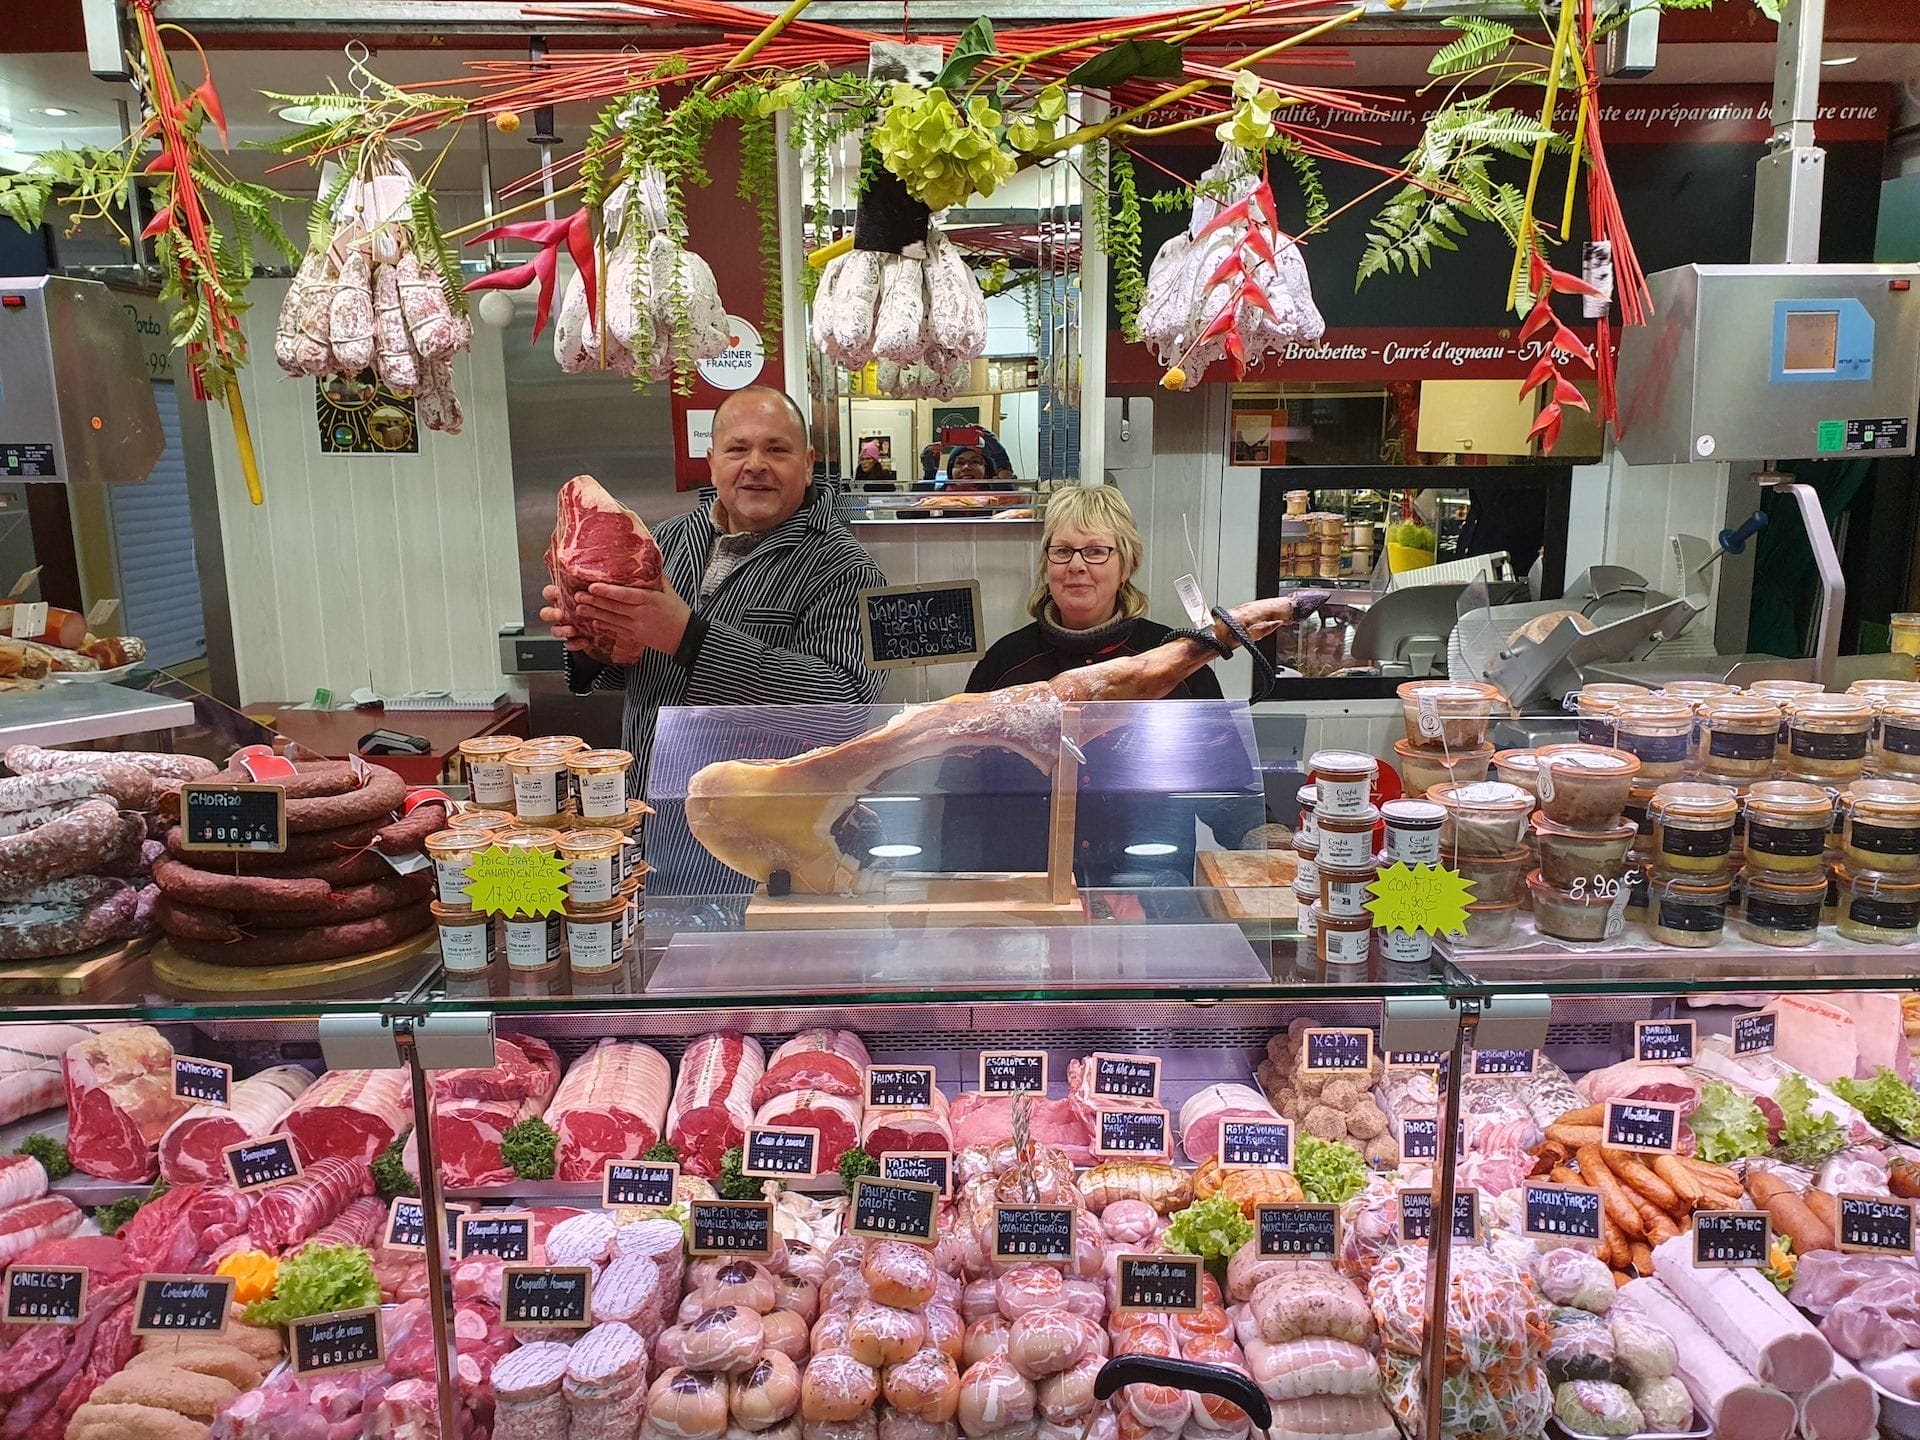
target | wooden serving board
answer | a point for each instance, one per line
(316, 977)
(1249, 884)
(72, 974)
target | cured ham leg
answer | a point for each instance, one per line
(762, 816)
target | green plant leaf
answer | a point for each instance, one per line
(1481, 42)
(1129, 60)
(974, 45)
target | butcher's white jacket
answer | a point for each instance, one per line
(783, 628)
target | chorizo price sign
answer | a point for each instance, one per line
(45, 1294)
(731, 1227)
(543, 1296)
(233, 817)
(780, 1152)
(1130, 1134)
(1126, 1077)
(169, 1304)
(1732, 1239)
(344, 1340)
(894, 1210)
(649, 1183)
(1013, 1072)
(209, 1082)
(1562, 1212)
(1337, 1051)
(923, 1167)
(1033, 1232)
(1649, 1125)
(1297, 1231)
(1663, 1042)
(510, 1236)
(898, 1087)
(1256, 1142)
(257, 1163)
(1876, 1224)
(1168, 1283)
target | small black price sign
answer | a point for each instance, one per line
(1297, 1231)
(923, 1167)
(1663, 1042)
(1416, 1215)
(209, 1082)
(1033, 1232)
(1503, 1062)
(1166, 1283)
(233, 817)
(1256, 1142)
(1562, 1212)
(1419, 1138)
(1336, 1051)
(407, 1224)
(45, 1295)
(899, 1087)
(170, 1304)
(648, 1183)
(731, 1227)
(1126, 1077)
(1013, 1072)
(894, 1210)
(1416, 1059)
(546, 1296)
(256, 1163)
(508, 1234)
(1732, 1240)
(344, 1340)
(780, 1152)
(1649, 1125)
(1876, 1224)
(1756, 1032)
(1131, 1134)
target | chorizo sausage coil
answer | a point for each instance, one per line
(326, 942)
(309, 854)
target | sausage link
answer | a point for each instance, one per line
(410, 832)
(68, 845)
(194, 922)
(376, 800)
(237, 892)
(327, 942)
(356, 902)
(19, 822)
(315, 849)
(28, 759)
(138, 865)
(38, 929)
(311, 778)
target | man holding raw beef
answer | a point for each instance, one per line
(759, 606)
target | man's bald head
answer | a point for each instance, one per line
(761, 395)
(760, 461)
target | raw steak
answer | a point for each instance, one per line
(597, 540)
(835, 1116)
(981, 1119)
(713, 1103)
(120, 1101)
(1201, 1116)
(611, 1106)
(474, 1108)
(289, 1213)
(103, 1257)
(350, 1114)
(523, 1068)
(170, 1235)
(52, 1217)
(190, 1150)
(30, 1071)
(827, 1060)
(882, 1132)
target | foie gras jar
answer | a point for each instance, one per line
(532, 942)
(466, 939)
(593, 865)
(599, 780)
(489, 778)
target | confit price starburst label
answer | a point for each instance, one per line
(1420, 897)
(527, 882)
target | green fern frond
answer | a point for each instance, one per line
(1481, 42)
(431, 242)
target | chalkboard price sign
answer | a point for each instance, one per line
(891, 1087)
(406, 1224)
(923, 1167)
(233, 817)
(1033, 1232)
(1503, 1062)
(1013, 1072)
(731, 1227)
(344, 1340)
(1416, 1215)
(1756, 1033)
(1562, 1212)
(1419, 1138)
(778, 1152)
(168, 1304)
(1876, 1224)
(1333, 1052)
(1126, 1077)
(1663, 1042)
(209, 1082)
(1168, 1283)
(1416, 1059)
(45, 1295)
(1732, 1239)
(1297, 1231)
(495, 1232)
(1256, 1142)
(1649, 1125)
(894, 1210)
(257, 1163)
(1132, 1134)
(930, 624)
(543, 1296)
(639, 1182)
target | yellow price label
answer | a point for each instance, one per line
(527, 882)
(1420, 897)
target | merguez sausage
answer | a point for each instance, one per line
(237, 892)
(328, 942)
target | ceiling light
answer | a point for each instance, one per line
(892, 852)
(52, 112)
(1151, 848)
(1840, 60)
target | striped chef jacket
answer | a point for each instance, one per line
(783, 628)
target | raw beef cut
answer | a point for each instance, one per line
(22, 1178)
(523, 1066)
(120, 1101)
(597, 540)
(884, 1131)
(1201, 1117)
(835, 1116)
(103, 1257)
(981, 1119)
(713, 1101)
(286, 1214)
(350, 1114)
(51, 1217)
(30, 1071)
(355, 1225)
(171, 1235)
(190, 1150)
(474, 1108)
(832, 1061)
(610, 1106)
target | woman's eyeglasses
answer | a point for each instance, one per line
(1092, 554)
